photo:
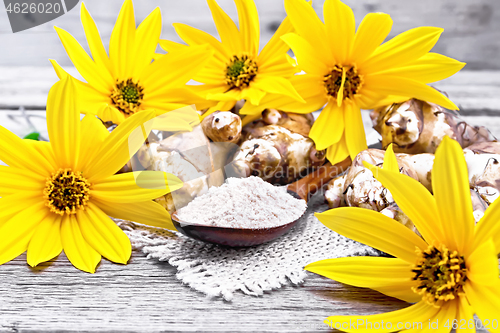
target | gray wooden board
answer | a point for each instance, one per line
(144, 296)
(471, 28)
(475, 92)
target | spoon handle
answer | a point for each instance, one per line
(310, 184)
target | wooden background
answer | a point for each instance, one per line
(472, 27)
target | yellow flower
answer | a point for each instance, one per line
(237, 70)
(57, 196)
(390, 161)
(349, 71)
(450, 274)
(127, 81)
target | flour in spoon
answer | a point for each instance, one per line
(247, 203)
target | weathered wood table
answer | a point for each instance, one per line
(145, 296)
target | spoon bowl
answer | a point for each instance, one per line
(232, 237)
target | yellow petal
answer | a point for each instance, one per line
(338, 151)
(95, 74)
(374, 229)
(370, 34)
(147, 212)
(391, 276)
(174, 69)
(368, 96)
(390, 161)
(16, 233)
(275, 46)
(78, 251)
(417, 313)
(465, 314)
(309, 87)
(415, 201)
(450, 185)
(107, 112)
(193, 37)
(93, 135)
(340, 95)
(308, 58)
(354, 130)
(482, 264)
(228, 32)
(180, 120)
(211, 74)
(170, 46)
(89, 100)
(251, 94)
(447, 312)
(220, 106)
(122, 42)
(119, 146)
(308, 25)
(63, 122)
(14, 203)
(147, 37)
(248, 19)
(488, 227)
(279, 66)
(401, 86)
(431, 67)
(45, 149)
(18, 154)
(485, 301)
(340, 27)
(329, 127)
(135, 186)
(403, 49)
(227, 96)
(46, 241)
(94, 39)
(103, 235)
(276, 85)
(15, 180)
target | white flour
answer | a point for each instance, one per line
(248, 203)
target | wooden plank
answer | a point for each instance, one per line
(144, 296)
(475, 92)
(469, 26)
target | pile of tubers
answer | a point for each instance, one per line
(415, 129)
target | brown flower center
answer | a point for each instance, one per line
(343, 80)
(127, 96)
(240, 72)
(66, 191)
(441, 274)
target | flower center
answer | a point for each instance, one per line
(441, 274)
(127, 96)
(240, 72)
(344, 81)
(66, 192)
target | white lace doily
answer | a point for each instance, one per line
(220, 271)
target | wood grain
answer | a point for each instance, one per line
(471, 28)
(144, 296)
(474, 92)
